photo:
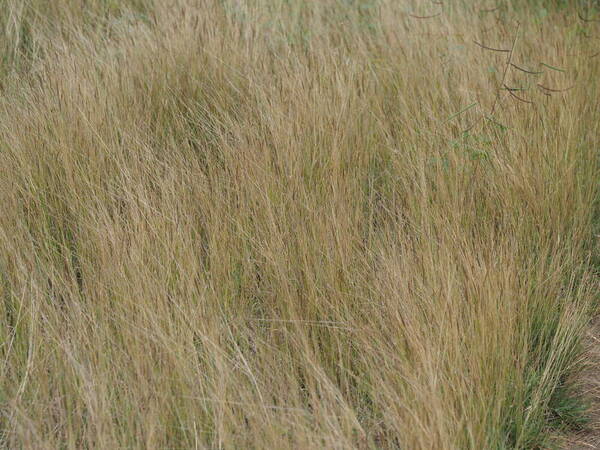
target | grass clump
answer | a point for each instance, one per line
(274, 224)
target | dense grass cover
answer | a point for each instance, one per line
(282, 224)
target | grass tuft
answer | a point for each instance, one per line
(275, 224)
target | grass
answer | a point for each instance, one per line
(276, 224)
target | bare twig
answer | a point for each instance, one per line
(519, 98)
(508, 63)
(514, 89)
(506, 67)
(555, 90)
(490, 48)
(524, 70)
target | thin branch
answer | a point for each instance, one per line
(508, 62)
(514, 89)
(526, 71)
(490, 48)
(519, 98)
(555, 90)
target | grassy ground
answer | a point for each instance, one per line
(282, 224)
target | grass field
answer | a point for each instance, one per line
(279, 224)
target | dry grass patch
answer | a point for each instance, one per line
(273, 224)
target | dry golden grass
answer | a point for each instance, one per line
(261, 224)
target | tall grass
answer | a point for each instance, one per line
(277, 224)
